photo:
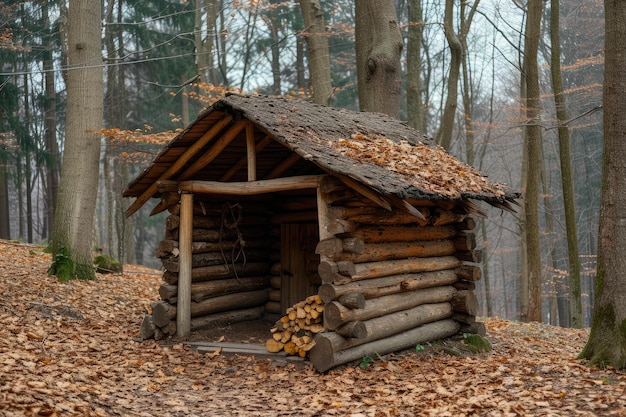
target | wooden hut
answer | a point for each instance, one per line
(280, 206)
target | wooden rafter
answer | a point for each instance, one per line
(242, 162)
(214, 150)
(179, 163)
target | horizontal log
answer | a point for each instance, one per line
(217, 258)
(352, 300)
(378, 287)
(474, 256)
(223, 303)
(226, 318)
(375, 252)
(251, 187)
(464, 285)
(335, 314)
(273, 307)
(162, 313)
(376, 215)
(369, 270)
(379, 234)
(169, 248)
(324, 358)
(467, 224)
(215, 221)
(208, 273)
(391, 324)
(469, 272)
(353, 329)
(465, 301)
(336, 226)
(207, 289)
(465, 241)
(274, 295)
(215, 235)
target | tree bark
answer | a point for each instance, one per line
(74, 219)
(576, 307)
(378, 51)
(607, 342)
(415, 107)
(317, 49)
(533, 144)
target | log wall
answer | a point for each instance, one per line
(231, 266)
(391, 280)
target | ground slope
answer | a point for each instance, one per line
(72, 350)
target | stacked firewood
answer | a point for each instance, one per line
(294, 332)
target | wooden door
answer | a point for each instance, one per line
(298, 242)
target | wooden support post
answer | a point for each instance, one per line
(251, 152)
(183, 307)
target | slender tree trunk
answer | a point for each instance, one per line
(73, 224)
(50, 132)
(378, 51)
(444, 133)
(317, 48)
(414, 104)
(576, 306)
(607, 341)
(533, 144)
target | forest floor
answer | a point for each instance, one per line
(72, 350)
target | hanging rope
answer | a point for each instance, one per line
(231, 218)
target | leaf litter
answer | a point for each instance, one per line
(71, 349)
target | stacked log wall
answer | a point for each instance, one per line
(391, 280)
(231, 279)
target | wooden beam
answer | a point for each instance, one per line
(183, 305)
(365, 191)
(243, 161)
(250, 152)
(214, 150)
(251, 187)
(179, 163)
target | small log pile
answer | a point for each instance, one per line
(230, 268)
(393, 276)
(294, 332)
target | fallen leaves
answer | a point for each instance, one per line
(70, 350)
(427, 167)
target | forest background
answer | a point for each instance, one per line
(164, 61)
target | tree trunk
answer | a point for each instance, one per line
(607, 341)
(317, 48)
(415, 107)
(533, 144)
(378, 50)
(74, 219)
(576, 307)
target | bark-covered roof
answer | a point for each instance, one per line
(380, 152)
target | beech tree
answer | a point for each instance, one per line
(607, 342)
(73, 233)
(378, 51)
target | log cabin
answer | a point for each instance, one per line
(352, 228)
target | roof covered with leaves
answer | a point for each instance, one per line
(380, 152)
